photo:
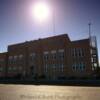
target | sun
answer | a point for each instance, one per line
(40, 11)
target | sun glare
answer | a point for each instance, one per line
(40, 11)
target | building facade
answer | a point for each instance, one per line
(51, 58)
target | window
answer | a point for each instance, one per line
(14, 68)
(74, 66)
(61, 67)
(1, 61)
(77, 52)
(1, 69)
(53, 54)
(15, 57)
(93, 51)
(94, 60)
(46, 55)
(10, 68)
(93, 68)
(95, 65)
(10, 59)
(46, 52)
(73, 52)
(32, 56)
(81, 66)
(20, 56)
(20, 68)
(82, 52)
(20, 60)
(54, 66)
(61, 54)
(78, 66)
(46, 68)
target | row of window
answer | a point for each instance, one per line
(78, 66)
(20, 56)
(77, 52)
(17, 63)
(15, 57)
(15, 68)
(54, 55)
(54, 67)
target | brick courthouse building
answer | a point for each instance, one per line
(52, 58)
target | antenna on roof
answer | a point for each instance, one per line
(90, 32)
(89, 29)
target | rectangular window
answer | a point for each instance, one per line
(20, 56)
(15, 58)
(54, 66)
(32, 56)
(77, 52)
(61, 54)
(1, 61)
(74, 66)
(81, 66)
(83, 54)
(61, 67)
(20, 60)
(46, 55)
(14, 68)
(46, 68)
(1, 69)
(20, 68)
(53, 54)
(10, 59)
(73, 52)
(95, 65)
(10, 69)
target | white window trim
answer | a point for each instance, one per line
(61, 50)
(46, 52)
(53, 51)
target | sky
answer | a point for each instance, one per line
(17, 23)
